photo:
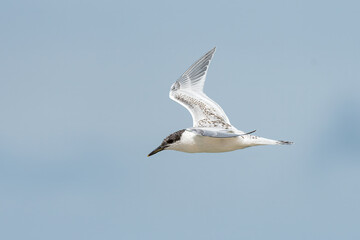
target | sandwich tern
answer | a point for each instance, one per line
(211, 131)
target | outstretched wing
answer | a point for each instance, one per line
(188, 91)
(217, 133)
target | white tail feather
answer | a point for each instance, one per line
(256, 141)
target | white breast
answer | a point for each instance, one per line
(192, 143)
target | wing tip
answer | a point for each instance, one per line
(212, 51)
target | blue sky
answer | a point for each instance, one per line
(84, 99)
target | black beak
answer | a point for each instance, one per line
(158, 149)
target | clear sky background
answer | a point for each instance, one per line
(84, 99)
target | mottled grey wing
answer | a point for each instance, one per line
(188, 91)
(215, 133)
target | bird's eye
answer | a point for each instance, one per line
(170, 141)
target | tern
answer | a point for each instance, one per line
(212, 131)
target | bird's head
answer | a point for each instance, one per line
(169, 142)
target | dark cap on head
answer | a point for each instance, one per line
(172, 138)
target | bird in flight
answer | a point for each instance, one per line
(212, 131)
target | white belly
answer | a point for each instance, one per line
(212, 145)
(194, 143)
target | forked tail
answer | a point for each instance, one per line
(256, 141)
(284, 142)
